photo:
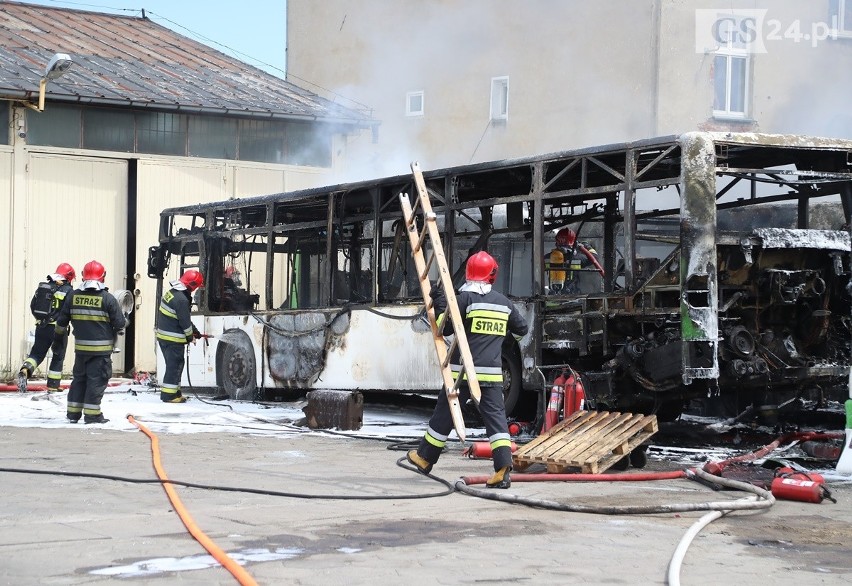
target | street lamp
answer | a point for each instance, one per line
(58, 65)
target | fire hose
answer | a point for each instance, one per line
(761, 499)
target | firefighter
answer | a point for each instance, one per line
(175, 330)
(489, 317)
(45, 306)
(97, 319)
(234, 297)
(569, 257)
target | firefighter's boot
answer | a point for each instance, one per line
(22, 381)
(500, 479)
(178, 399)
(99, 418)
(418, 462)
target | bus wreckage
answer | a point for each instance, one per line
(723, 276)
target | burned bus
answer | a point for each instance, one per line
(722, 271)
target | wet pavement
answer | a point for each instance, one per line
(82, 506)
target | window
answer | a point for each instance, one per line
(161, 133)
(414, 104)
(213, 137)
(308, 144)
(166, 133)
(730, 83)
(5, 113)
(58, 126)
(108, 130)
(840, 15)
(499, 98)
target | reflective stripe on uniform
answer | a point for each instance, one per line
(170, 336)
(93, 345)
(78, 314)
(438, 440)
(484, 374)
(500, 440)
(488, 318)
(166, 310)
(169, 389)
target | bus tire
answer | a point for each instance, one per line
(512, 380)
(236, 366)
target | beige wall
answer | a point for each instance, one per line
(76, 211)
(581, 74)
(70, 205)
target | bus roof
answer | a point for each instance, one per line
(744, 140)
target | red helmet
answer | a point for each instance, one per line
(67, 271)
(566, 238)
(192, 279)
(481, 267)
(94, 271)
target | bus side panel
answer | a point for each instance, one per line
(335, 350)
(380, 353)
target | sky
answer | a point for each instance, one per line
(257, 35)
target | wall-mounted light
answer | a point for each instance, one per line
(58, 65)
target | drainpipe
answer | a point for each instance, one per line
(17, 270)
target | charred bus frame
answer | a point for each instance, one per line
(716, 280)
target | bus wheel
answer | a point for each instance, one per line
(235, 366)
(512, 382)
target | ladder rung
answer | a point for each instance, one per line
(420, 240)
(416, 204)
(428, 266)
(449, 353)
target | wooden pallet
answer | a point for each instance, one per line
(587, 442)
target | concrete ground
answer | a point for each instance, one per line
(58, 529)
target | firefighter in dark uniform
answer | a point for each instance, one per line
(98, 319)
(175, 330)
(565, 262)
(45, 333)
(489, 317)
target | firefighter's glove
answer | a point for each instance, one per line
(439, 300)
(61, 330)
(437, 291)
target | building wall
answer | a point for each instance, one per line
(71, 205)
(580, 73)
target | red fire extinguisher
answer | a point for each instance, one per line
(482, 450)
(800, 486)
(788, 472)
(575, 394)
(554, 406)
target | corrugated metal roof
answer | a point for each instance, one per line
(132, 61)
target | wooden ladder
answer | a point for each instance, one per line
(419, 238)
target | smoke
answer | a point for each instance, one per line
(580, 74)
(451, 51)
